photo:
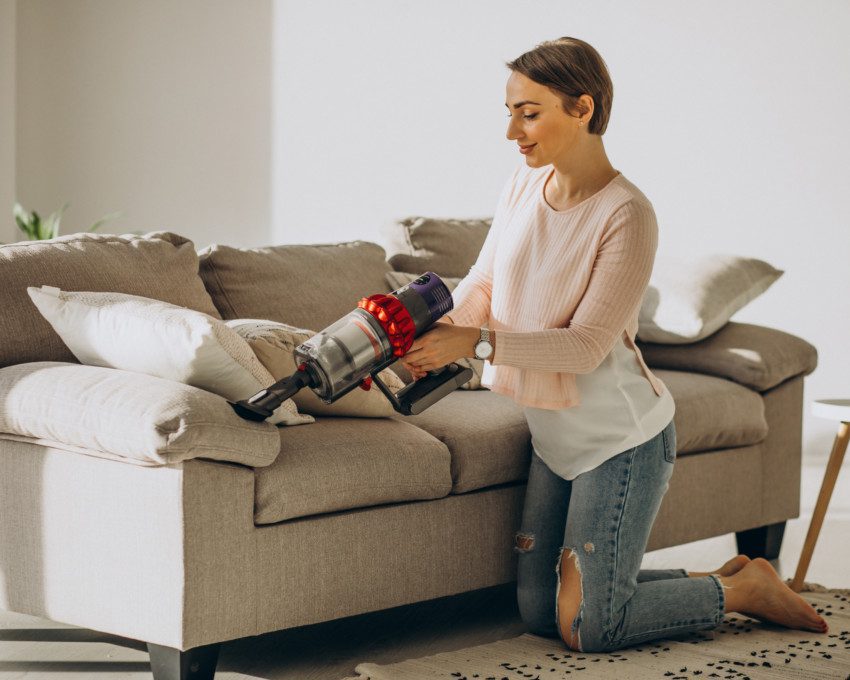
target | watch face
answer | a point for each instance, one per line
(483, 350)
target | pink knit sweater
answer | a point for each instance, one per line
(559, 287)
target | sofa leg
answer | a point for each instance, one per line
(198, 663)
(762, 541)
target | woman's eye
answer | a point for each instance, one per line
(528, 117)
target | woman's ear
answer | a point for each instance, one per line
(586, 107)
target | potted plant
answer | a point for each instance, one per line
(37, 229)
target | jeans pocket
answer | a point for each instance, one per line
(668, 435)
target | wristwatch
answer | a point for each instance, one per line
(483, 348)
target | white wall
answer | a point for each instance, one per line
(257, 121)
(155, 108)
(7, 121)
(730, 116)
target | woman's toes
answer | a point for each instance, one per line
(734, 565)
(776, 602)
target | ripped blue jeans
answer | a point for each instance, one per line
(604, 517)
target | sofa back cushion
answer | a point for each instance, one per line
(158, 265)
(308, 286)
(447, 247)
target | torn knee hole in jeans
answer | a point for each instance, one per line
(524, 542)
(574, 628)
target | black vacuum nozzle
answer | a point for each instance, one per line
(263, 403)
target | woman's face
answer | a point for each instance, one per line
(538, 121)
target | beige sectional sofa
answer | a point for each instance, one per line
(354, 514)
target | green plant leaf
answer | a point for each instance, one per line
(20, 214)
(110, 216)
(23, 219)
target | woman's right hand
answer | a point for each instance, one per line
(416, 373)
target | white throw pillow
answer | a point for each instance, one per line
(274, 344)
(688, 299)
(139, 334)
(400, 279)
(126, 416)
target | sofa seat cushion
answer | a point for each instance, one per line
(488, 437)
(487, 434)
(343, 463)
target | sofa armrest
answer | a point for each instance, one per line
(128, 416)
(755, 356)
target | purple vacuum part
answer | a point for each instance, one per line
(434, 294)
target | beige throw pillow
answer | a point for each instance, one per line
(274, 344)
(399, 279)
(135, 333)
(688, 299)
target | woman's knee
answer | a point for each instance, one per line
(536, 610)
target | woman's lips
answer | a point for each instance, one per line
(526, 149)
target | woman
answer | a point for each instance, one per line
(559, 281)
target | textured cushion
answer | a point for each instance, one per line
(488, 437)
(344, 463)
(754, 356)
(688, 299)
(274, 344)
(398, 280)
(713, 413)
(307, 286)
(448, 247)
(135, 333)
(486, 433)
(126, 416)
(158, 265)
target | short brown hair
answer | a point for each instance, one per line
(570, 67)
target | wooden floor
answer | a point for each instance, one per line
(34, 648)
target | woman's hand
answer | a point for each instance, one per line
(438, 347)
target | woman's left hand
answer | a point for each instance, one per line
(438, 347)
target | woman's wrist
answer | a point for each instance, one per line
(475, 336)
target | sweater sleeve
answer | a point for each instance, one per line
(472, 296)
(614, 293)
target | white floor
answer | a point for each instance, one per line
(33, 648)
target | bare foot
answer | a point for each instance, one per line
(733, 566)
(771, 599)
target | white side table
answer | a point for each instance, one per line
(835, 409)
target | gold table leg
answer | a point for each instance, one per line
(839, 447)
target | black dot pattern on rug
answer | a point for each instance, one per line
(807, 647)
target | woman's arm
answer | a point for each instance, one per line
(617, 285)
(471, 300)
(472, 296)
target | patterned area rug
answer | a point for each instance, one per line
(737, 649)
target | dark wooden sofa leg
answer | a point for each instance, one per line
(197, 663)
(762, 541)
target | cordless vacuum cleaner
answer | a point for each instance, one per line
(353, 350)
